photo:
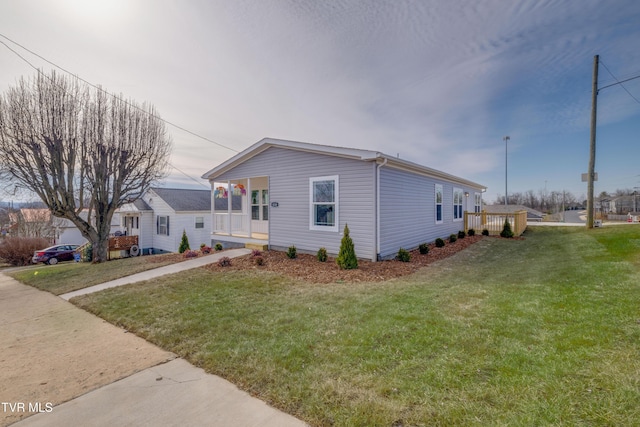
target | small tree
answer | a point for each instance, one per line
(184, 243)
(506, 230)
(347, 259)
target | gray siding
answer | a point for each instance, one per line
(289, 172)
(407, 210)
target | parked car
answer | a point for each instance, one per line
(54, 254)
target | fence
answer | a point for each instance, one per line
(494, 222)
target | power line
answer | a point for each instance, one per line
(102, 90)
(619, 82)
(187, 175)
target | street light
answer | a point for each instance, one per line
(506, 139)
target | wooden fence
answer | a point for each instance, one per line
(494, 222)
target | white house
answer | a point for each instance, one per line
(160, 216)
(287, 193)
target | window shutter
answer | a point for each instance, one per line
(157, 224)
(167, 225)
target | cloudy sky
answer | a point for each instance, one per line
(436, 82)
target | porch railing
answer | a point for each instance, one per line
(494, 222)
(239, 223)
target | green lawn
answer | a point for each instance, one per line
(541, 331)
(71, 276)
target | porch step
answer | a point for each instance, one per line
(258, 246)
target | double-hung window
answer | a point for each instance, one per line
(458, 197)
(477, 207)
(438, 203)
(199, 222)
(162, 225)
(260, 205)
(323, 194)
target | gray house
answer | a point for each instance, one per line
(280, 193)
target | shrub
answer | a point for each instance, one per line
(87, 253)
(471, 232)
(202, 245)
(403, 255)
(347, 259)
(292, 252)
(256, 252)
(205, 249)
(19, 250)
(485, 232)
(322, 255)
(439, 243)
(453, 238)
(218, 246)
(423, 248)
(184, 243)
(259, 260)
(506, 230)
(461, 234)
(190, 254)
(225, 261)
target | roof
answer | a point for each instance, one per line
(352, 153)
(181, 200)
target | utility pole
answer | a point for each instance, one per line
(592, 150)
(592, 145)
(506, 139)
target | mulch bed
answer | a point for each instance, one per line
(307, 268)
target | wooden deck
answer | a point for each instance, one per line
(494, 222)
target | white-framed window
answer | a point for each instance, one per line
(438, 203)
(260, 205)
(458, 201)
(477, 206)
(323, 201)
(199, 222)
(162, 225)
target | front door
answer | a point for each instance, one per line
(260, 211)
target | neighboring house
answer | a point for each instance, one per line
(532, 214)
(159, 217)
(286, 193)
(29, 222)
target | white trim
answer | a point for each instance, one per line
(438, 188)
(460, 192)
(336, 198)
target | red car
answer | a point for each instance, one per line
(54, 254)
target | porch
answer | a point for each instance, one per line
(240, 211)
(494, 222)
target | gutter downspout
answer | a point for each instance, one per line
(378, 207)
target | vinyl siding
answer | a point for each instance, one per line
(178, 221)
(289, 172)
(407, 210)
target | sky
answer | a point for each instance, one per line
(439, 83)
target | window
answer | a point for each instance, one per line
(162, 225)
(477, 207)
(199, 222)
(458, 197)
(438, 203)
(260, 205)
(323, 193)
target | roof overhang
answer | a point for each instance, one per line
(352, 153)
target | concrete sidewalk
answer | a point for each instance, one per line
(158, 272)
(61, 366)
(172, 394)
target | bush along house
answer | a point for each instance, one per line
(277, 194)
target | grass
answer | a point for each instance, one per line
(71, 276)
(541, 331)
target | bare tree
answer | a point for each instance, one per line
(80, 149)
